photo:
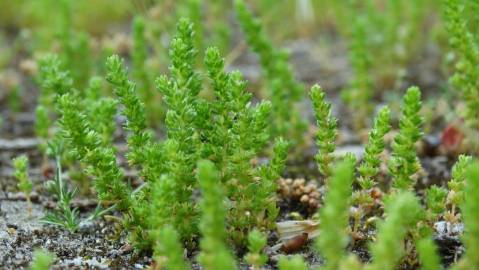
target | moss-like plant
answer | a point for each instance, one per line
(42, 260)
(214, 252)
(139, 55)
(14, 99)
(455, 195)
(360, 91)
(428, 256)
(100, 110)
(134, 110)
(255, 256)
(192, 9)
(292, 263)
(20, 164)
(75, 47)
(334, 215)
(393, 34)
(404, 162)
(283, 90)
(218, 22)
(470, 213)
(87, 146)
(64, 215)
(54, 81)
(327, 132)
(350, 263)
(402, 213)
(465, 46)
(227, 130)
(171, 194)
(180, 92)
(435, 202)
(369, 167)
(168, 251)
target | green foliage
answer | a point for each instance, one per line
(101, 111)
(222, 145)
(404, 162)
(54, 82)
(265, 195)
(360, 91)
(228, 130)
(456, 184)
(65, 216)
(256, 243)
(42, 260)
(20, 164)
(470, 213)
(180, 93)
(231, 144)
(42, 122)
(220, 33)
(334, 215)
(14, 99)
(327, 133)
(284, 91)
(428, 257)
(403, 211)
(134, 110)
(192, 9)
(171, 194)
(139, 56)
(436, 201)
(467, 51)
(369, 167)
(350, 263)
(214, 252)
(168, 252)
(87, 146)
(292, 263)
(396, 36)
(75, 47)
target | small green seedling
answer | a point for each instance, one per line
(327, 132)
(470, 213)
(65, 216)
(334, 216)
(168, 251)
(255, 256)
(20, 165)
(404, 161)
(292, 263)
(214, 251)
(42, 260)
(284, 91)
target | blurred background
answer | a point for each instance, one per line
(402, 43)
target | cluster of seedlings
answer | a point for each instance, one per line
(208, 188)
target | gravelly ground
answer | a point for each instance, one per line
(94, 246)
